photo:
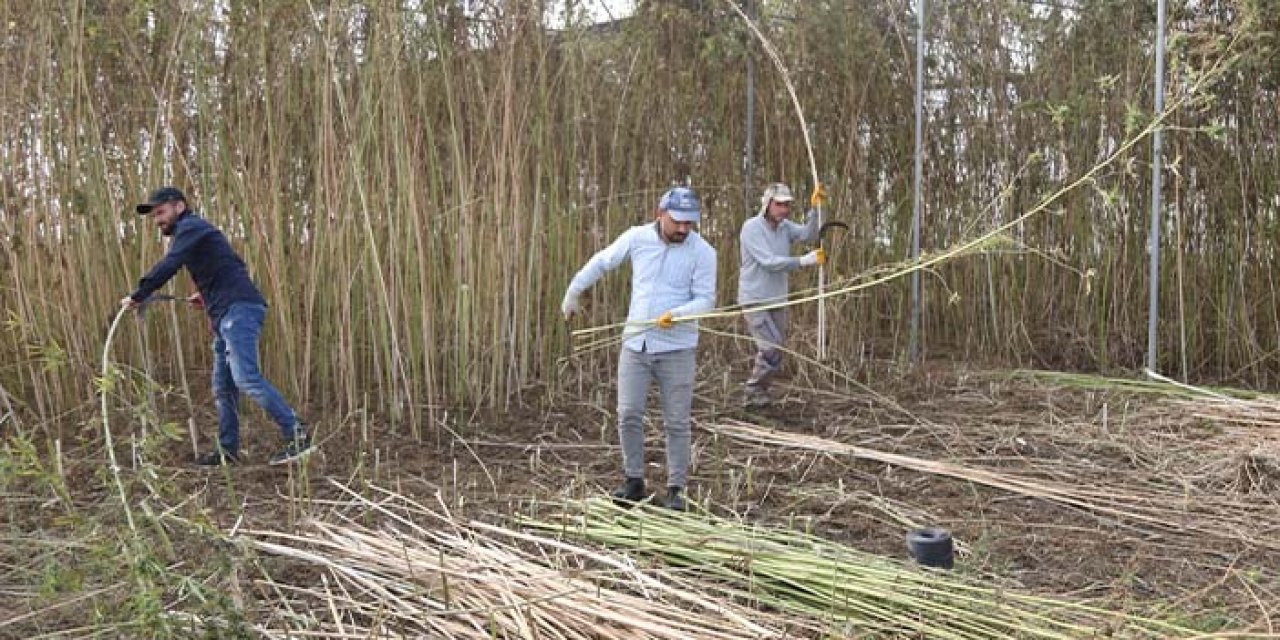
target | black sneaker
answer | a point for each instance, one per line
(631, 492)
(675, 499)
(297, 449)
(216, 459)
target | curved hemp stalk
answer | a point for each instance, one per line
(813, 164)
(105, 383)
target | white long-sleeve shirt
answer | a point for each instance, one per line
(679, 277)
(766, 257)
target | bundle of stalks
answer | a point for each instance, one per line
(851, 591)
(1261, 411)
(1102, 383)
(427, 574)
(1251, 423)
(1236, 406)
(1175, 508)
(1253, 472)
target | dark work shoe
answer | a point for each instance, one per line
(216, 459)
(757, 398)
(631, 492)
(297, 449)
(675, 499)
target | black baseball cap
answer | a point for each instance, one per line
(160, 196)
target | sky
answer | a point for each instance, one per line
(596, 10)
(601, 10)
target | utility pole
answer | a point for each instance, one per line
(913, 346)
(748, 150)
(1153, 248)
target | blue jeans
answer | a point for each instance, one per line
(235, 369)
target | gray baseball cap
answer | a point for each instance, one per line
(682, 204)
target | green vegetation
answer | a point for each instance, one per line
(412, 186)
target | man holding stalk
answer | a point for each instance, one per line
(766, 261)
(673, 275)
(236, 310)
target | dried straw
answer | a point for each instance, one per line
(1158, 509)
(424, 573)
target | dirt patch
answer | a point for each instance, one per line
(494, 464)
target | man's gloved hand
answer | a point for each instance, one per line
(817, 256)
(570, 307)
(128, 303)
(666, 321)
(818, 197)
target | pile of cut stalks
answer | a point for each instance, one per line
(590, 569)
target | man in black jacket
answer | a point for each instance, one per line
(236, 311)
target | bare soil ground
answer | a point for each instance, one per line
(492, 464)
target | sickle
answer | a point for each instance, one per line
(141, 309)
(152, 299)
(164, 297)
(827, 225)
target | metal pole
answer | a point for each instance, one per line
(913, 348)
(822, 299)
(748, 169)
(1153, 248)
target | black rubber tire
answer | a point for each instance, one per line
(932, 547)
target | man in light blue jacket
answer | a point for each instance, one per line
(673, 275)
(765, 244)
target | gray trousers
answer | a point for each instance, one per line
(769, 328)
(673, 370)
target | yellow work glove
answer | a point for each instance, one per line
(817, 256)
(818, 197)
(665, 321)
